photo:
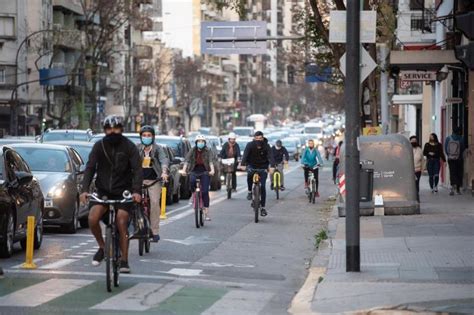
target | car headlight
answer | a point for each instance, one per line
(56, 191)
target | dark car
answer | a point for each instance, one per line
(180, 146)
(174, 181)
(66, 135)
(59, 169)
(20, 197)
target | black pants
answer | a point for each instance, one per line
(334, 169)
(417, 183)
(455, 172)
(263, 181)
(316, 176)
(433, 167)
(234, 180)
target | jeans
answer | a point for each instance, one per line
(205, 182)
(433, 167)
(263, 179)
(417, 183)
(316, 176)
(455, 172)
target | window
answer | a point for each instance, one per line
(2, 76)
(416, 5)
(7, 26)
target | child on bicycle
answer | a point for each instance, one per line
(199, 162)
(311, 160)
(281, 157)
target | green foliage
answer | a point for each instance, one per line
(321, 236)
(237, 5)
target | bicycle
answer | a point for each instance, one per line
(311, 183)
(228, 167)
(144, 242)
(112, 239)
(198, 203)
(277, 182)
(256, 193)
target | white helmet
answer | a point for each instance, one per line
(200, 137)
(232, 136)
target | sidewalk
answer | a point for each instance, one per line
(414, 263)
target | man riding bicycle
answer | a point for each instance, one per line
(258, 155)
(231, 149)
(311, 160)
(155, 165)
(116, 162)
(199, 162)
(281, 157)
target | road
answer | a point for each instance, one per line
(231, 266)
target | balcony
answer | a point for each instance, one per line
(69, 5)
(143, 52)
(70, 39)
(144, 24)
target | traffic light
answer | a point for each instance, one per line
(291, 74)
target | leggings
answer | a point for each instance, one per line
(205, 181)
(433, 172)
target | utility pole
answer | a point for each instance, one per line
(384, 89)
(352, 107)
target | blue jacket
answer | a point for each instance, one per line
(311, 158)
(454, 138)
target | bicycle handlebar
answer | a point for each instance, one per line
(107, 201)
(311, 168)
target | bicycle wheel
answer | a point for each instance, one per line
(108, 258)
(256, 201)
(313, 186)
(201, 217)
(196, 210)
(228, 184)
(141, 246)
(147, 245)
(277, 191)
(116, 260)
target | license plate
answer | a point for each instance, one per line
(48, 203)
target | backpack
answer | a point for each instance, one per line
(454, 149)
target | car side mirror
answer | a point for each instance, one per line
(81, 170)
(23, 178)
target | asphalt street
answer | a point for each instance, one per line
(231, 266)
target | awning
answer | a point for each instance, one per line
(422, 59)
(408, 99)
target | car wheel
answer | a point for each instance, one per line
(71, 227)
(177, 196)
(84, 222)
(185, 189)
(8, 232)
(38, 233)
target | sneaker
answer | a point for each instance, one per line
(234, 190)
(155, 238)
(436, 189)
(249, 196)
(98, 257)
(1, 273)
(282, 188)
(124, 267)
(306, 190)
(263, 212)
(458, 192)
(451, 192)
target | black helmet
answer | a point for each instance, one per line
(278, 143)
(147, 128)
(112, 121)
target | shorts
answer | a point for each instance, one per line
(129, 207)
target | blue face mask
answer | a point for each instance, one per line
(201, 145)
(147, 140)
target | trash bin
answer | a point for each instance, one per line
(366, 184)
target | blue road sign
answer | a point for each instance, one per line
(317, 74)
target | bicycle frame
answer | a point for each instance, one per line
(198, 203)
(276, 178)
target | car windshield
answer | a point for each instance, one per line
(312, 129)
(243, 131)
(45, 160)
(170, 142)
(289, 143)
(61, 136)
(84, 152)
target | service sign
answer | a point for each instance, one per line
(418, 76)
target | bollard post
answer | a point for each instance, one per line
(163, 203)
(30, 237)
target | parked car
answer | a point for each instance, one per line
(180, 146)
(20, 197)
(292, 146)
(133, 136)
(59, 170)
(174, 181)
(244, 131)
(7, 141)
(66, 135)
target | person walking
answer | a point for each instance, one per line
(418, 163)
(231, 149)
(335, 164)
(454, 147)
(433, 151)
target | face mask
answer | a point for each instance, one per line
(259, 142)
(278, 147)
(113, 138)
(414, 144)
(201, 145)
(147, 140)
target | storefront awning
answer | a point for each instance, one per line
(409, 99)
(422, 59)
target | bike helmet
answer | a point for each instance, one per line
(278, 143)
(112, 121)
(232, 136)
(147, 128)
(200, 137)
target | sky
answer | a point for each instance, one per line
(178, 25)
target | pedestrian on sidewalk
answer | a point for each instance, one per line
(454, 147)
(434, 153)
(418, 161)
(335, 165)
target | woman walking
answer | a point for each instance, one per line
(418, 160)
(434, 153)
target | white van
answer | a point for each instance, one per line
(314, 129)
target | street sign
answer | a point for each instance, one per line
(317, 74)
(453, 100)
(338, 22)
(405, 84)
(418, 75)
(243, 37)
(367, 65)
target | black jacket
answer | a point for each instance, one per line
(259, 158)
(122, 170)
(280, 155)
(225, 148)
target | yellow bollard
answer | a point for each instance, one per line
(163, 203)
(30, 237)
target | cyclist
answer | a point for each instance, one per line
(258, 155)
(310, 159)
(231, 149)
(116, 161)
(155, 164)
(199, 161)
(281, 157)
